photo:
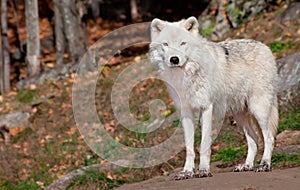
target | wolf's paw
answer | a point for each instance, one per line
(243, 168)
(263, 167)
(182, 175)
(203, 173)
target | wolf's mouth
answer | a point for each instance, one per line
(175, 66)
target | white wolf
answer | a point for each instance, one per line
(237, 76)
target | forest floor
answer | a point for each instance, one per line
(51, 145)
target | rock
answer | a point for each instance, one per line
(65, 181)
(55, 74)
(287, 149)
(222, 23)
(232, 13)
(14, 119)
(251, 8)
(292, 13)
(10, 121)
(288, 137)
(289, 74)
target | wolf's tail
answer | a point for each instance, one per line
(273, 118)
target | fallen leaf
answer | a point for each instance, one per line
(32, 87)
(137, 58)
(216, 147)
(117, 138)
(110, 175)
(288, 34)
(42, 143)
(71, 131)
(34, 110)
(50, 65)
(58, 175)
(39, 183)
(167, 112)
(16, 130)
(26, 161)
(50, 111)
(12, 93)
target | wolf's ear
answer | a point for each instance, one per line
(156, 27)
(191, 24)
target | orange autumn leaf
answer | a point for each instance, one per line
(16, 130)
(71, 131)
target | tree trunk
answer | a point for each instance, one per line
(5, 49)
(33, 41)
(73, 30)
(95, 6)
(134, 10)
(1, 67)
(59, 34)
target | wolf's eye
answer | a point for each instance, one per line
(183, 43)
(165, 44)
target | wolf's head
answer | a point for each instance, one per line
(172, 43)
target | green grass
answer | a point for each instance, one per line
(277, 47)
(22, 134)
(26, 96)
(176, 122)
(96, 177)
(137, 178)
(235, 13)
(92, 159)
(6, 185)
(197, 136)
(229, 154)
(229, 137)
(281, 159)
(206, 32)
(290, 120)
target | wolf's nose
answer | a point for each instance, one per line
(174, 60)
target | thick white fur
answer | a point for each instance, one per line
(237, 76)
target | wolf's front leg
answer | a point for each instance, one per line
(189, 130)
(188, 170)
(206, 141)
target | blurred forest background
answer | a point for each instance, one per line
(40, 35)
(41, 44)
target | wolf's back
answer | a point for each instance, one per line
(249, 70)
(250, 59)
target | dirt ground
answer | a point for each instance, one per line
(288, 179)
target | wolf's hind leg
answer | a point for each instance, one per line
(244, 120)
(267, 118)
